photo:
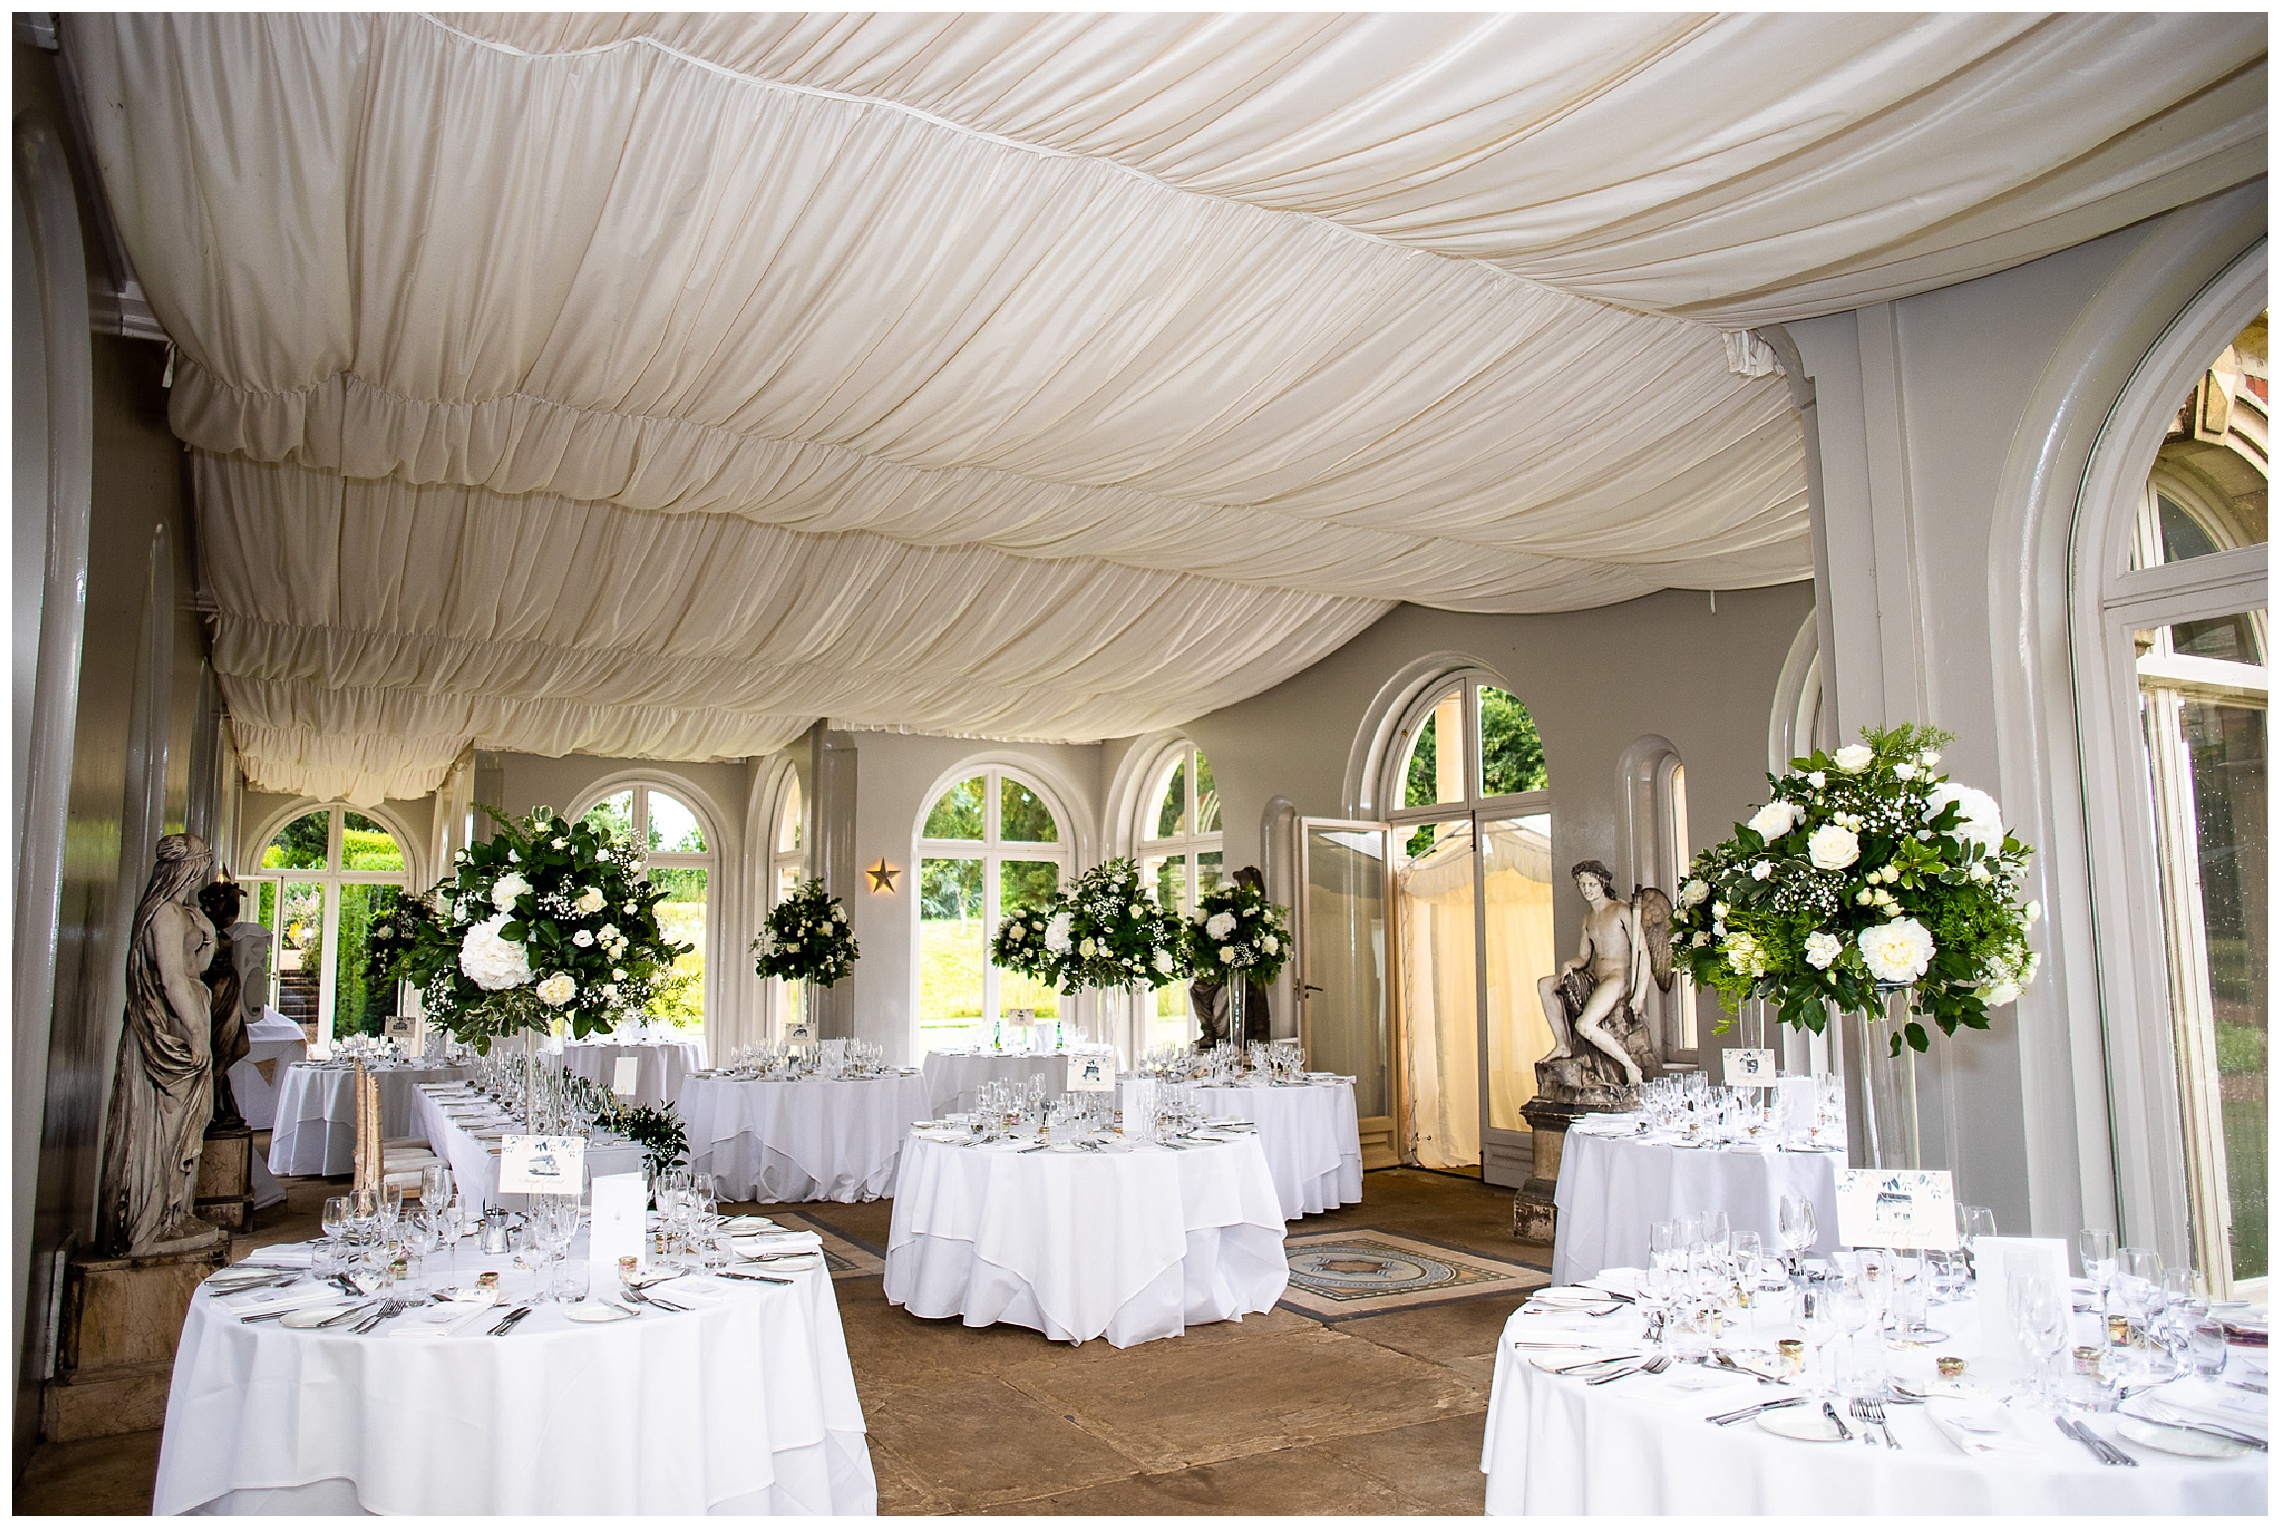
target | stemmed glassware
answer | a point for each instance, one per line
(1798, 1227)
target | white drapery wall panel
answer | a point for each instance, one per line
(656, 385)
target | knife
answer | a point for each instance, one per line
(1844, 1433)
(2210, 1428)
(755, 1278)
(1728, 1419)
(508, 1325)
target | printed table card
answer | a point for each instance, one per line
(1896, 1208)
(542, 1164)
(1092, 1073)
(1749, 1068)
(625, 1078)
(618, 1229)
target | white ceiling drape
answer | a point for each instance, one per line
(654, 385)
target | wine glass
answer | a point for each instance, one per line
(1798, 1227)
(2096, 1249)
(338, 1217)
(1817, 1323)
(1972, 1222)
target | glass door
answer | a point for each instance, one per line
(1515, 902)
(1345, 984)
(1438, 903)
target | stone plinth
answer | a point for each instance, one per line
(225, 1179)
(122, 1317)
(1533, 1216)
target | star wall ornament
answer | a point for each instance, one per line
(882, 876)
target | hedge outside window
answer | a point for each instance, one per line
(989, 843)
(680, 860)
(324, 879)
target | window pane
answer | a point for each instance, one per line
(1171, 813)
(2231, 638)
(1027, 883)
(681, 916)
(302, 845)
(1169, 877)
(1208, 874)
(958, 814)
(1516, 878)
(790, 826)
(673, 827)
(1022, 817)
(613, 815)
(1435, 770)
(952, 946)
(365, 845)
(301, 951)
(1206, 797)
(1511, 755)
(364, 998)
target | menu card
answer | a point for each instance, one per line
(542, 1164)
(1092, 1073)
(1749, 1068)
(626, 1076)
(618, 1228)
(1895, 1208)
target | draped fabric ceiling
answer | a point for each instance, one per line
(653, 386)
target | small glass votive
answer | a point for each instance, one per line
(571, 1282)
(1950, 1368)
(1792, 1350)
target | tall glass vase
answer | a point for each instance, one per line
(1886, 1089)
(1236, 988)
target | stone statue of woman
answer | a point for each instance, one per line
(162, 1094)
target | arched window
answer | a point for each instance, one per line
(325, 878)
(680, 856)
(787, 867)
(1182, 856)
(1469, 797)
(991, 841)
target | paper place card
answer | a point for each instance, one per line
(1092, 1074)
(1898, 1209)
(542, 1164)
(626, 1078)
(617, 1228)
(1749, 1068)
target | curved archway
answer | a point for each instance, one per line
(678, 828)
(322, 875)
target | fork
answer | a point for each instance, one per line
(1876, 1415)
(389, 1310)
(1654, 1365)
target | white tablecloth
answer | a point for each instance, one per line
(276, 1043)
(1556, 1446)
(952, 1076)
(1311, 1134)
(783, 1142)
(1129, 1246)
(315, 1131)
(745, 1406)
(1612, 1189)
(662, 1065)
(474, 1162)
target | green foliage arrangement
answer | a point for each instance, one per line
(806, 938)
(663, 1139)
(1866, 874)
(1105, 931)
(1237, 929)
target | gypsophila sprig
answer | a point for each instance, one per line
(547, 920)
(806, 938)
(1237, 929)
(1104, 931)
(1866, 873)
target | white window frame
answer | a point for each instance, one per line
(790, 810)
(709, 862)
(332, 877)
(1393, 787)
(1189, 844)
(992, 849)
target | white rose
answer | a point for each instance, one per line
(557, 989)
(1088, 949)
(589, 900)
(610, 991)
(1694, 893)
(1817, 779)
(491, 961)
(1898, 952)
(1271, 945)
(1855, 757)
(506, 889)
(603, 855)
(1980, 820)
(1761, 870)
(1219, 925)
(838, 913)
(1822, 950)
(2034, 913)
(582, 939)
(1164, 961)
(1905, 771)
(1227, 954)
(1774, 819)
(1017, 933)
(1832, 847)
(617, 973)
(1928, 757)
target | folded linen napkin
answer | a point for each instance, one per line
(453, 1318)
(776, 1243)
(2199, 1400)
(283, 1255)
(1616, 1281)
(1979, 1427)
(262, 1302)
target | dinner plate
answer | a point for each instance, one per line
(1802, 1423)
(597, 1311)
(738, 1225)
(798, 1262)
(1552, 1360)
(313, 1315)
(2178, 1440)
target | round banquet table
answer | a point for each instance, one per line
(1557, 1446)
(449, 1118)
(315, 1131)
(1130, 1245)
(662, 1065)
(1310, 1132)
(780, 1142)
(747, 1405)
(1612, 1190)
(952, 1076)
(274, 1043)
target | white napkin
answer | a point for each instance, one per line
(2199, 1400)
(283, 1255)
(773, 1243)
(1989, 1430)
(262, 1301)
(454, 1323)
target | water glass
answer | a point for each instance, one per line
(2208, 1348)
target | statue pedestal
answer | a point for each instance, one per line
(1533, 1217)
(225, 1179)
(121, 1318)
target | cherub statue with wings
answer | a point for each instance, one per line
(1625, 945)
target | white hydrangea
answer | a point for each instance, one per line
(1057, 933)
(1832, 847)
(1219, 925)
(1898, 952)
(1745, 955)
(1855, 757)
(2004, 981)
(1163, 961)
(1980, 819)
(506, 889)
(1774, 819)
(590, 900)
(491, 961)
(557, 989)
(838, 913)
(1822, 950)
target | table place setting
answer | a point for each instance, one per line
(782, 1129)
(1307, 1121)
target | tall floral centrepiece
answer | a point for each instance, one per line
(1104, 931)
(548, 920)
(807, 939)
(1872, 883)
(1237, 937)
